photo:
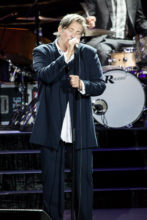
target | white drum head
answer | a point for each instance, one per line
(122, 102)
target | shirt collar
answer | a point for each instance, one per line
(58, 48)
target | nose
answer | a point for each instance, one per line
(73, 35)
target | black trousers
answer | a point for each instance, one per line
(53, 164)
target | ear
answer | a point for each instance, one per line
(59, 29)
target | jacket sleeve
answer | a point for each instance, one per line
(95, 84)
(48, 68)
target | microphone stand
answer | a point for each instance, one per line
(73, 159)
(76, 67)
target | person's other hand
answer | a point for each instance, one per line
(75, 81)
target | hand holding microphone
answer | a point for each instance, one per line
(74, 42)
(72, 45)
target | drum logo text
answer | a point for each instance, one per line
(112, 79)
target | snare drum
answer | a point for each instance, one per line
(122, 102)
(125, 58)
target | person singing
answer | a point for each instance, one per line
(69, 73)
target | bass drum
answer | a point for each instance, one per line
(122, 102)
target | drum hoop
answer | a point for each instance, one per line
(130, 49)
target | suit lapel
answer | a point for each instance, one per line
(55, 50)
(131, 7)
(109, 5)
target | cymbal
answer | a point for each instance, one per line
(26, 21)
(24, 5)
(41, 18)
(97, 32)
(13, 29)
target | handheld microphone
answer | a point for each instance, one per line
(76, 46)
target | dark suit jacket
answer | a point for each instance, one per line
(55, 92)
(102, 10)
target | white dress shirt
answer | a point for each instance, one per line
(66, 132)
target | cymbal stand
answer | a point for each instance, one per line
(23, 90)
(15, 121)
